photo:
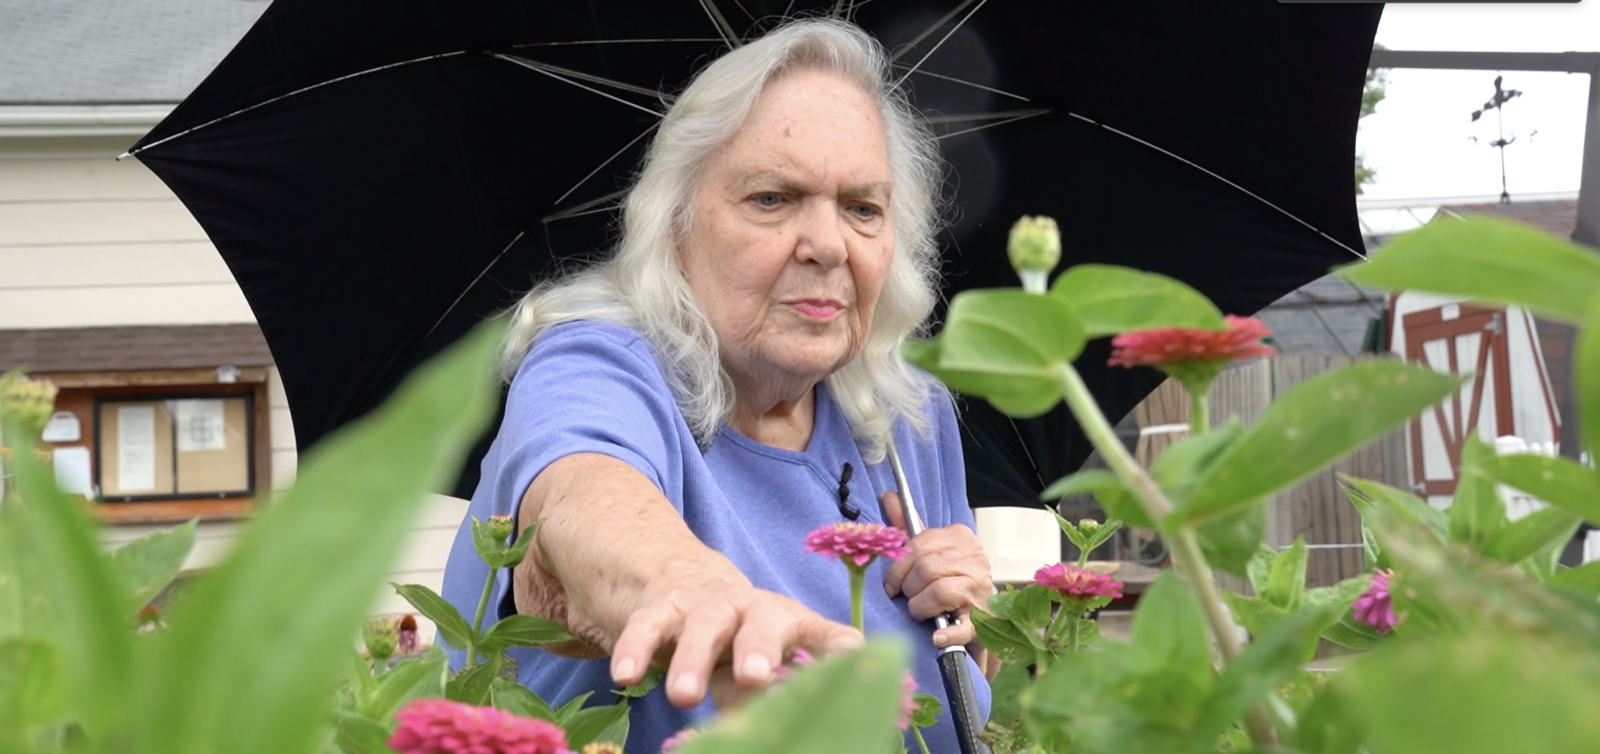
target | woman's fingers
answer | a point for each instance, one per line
(760, 644)
(708, 630)
(647, 631)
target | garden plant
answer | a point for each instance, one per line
(1467, 634)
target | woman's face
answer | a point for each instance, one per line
(791, 235)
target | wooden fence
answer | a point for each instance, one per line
(1316, 508)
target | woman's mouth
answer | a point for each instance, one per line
(818, 308)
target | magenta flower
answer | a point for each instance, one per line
(1193, 357)
(858, 544)
(908, 700)
(801, 659)
(1375, 606)
(677, 740)
(1077, 583)
(439, 726)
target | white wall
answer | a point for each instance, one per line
(87, 241)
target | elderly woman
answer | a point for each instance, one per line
(681, 414)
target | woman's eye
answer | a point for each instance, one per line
(768, 200)
(866, 211)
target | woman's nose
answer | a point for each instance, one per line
(822, 236)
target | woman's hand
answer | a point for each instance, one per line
(712, 630)
(946, 572)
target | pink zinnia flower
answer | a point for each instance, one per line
(1375, 607)
(439, 726)
(1077, 583)
(801, 659)
(1193, 357)
(408, 636)
(858, 544)
(677, 740)
(908, 700)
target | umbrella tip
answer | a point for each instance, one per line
(124, 156)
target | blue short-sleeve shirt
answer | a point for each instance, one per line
(598, 388)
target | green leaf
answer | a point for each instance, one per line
(1586, 373)
(88, 604)
(652, 679)
(1067, 527)
(1312, 425)
(488, 548)
(1487, 692)
(358, 735)
(1169, 632)
(598, 724)
(1286, 583)
(1371, 552)
(1103, 534)
(1476, 512)
(1002, 637)
(1006, 692)
(1368, 496)
(1259, 569)
(928, 710)
(506, 694)
(1532, 534)
(148, 564)
(453, 628)
(842, 705)
(1271, 659)
(421, 678)
(572, 707)
(523, 631)
(1031, 611)
(362, 685)
(1231, 540)
(1345, 630)
(1558, 481)
(1107, 489)
(471, 685)
(32, 688)
(1180, 466)
(1255, 614)
(1113, 300)
(1488, 259)
(1003, 345)
(253, 651)
(1325, 727)
(1583, 580)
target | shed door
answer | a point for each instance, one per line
(1458, 339)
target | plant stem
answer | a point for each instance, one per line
(1199, 413)
(858, 581)
(915, 731)
(477, 620)
(1186, 554)
(1072, 635)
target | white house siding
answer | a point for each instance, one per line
(88, 241)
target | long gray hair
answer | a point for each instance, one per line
(641, 286)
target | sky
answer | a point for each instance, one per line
(1419, 137)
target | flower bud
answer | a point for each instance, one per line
(500, 527)
(1035, 249)
(382, 636)
(26, 404)
(1088, 526)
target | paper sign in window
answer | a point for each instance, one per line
(200, 424)
(136, 448)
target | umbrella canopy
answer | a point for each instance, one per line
(380, 176)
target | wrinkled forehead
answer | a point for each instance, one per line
(809, 130)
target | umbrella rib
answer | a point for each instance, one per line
(723, 27)
(942, 40)
(1218, 176)
(287, 95)
(534, 67)
(974, 85)
(984, 116)
(584, 208)
(1024, 116)
(909, 46)
(593, 79)
(474, 283)
(602, 165)
(615, 42)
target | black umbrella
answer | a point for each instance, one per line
(380, 176)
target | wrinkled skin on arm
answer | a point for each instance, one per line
(615, 563)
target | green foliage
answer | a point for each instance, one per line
(1112, 300)
(1107, 489)
(838, 706)
(1310, 426)
(1003, 345)
(32, 695)
(1488, 259)
(148, 564)
(1476, 512)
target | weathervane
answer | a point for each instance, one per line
(1497, 104)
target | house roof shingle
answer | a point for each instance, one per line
(128, 51)
(98, 349)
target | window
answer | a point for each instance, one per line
(174, 447)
